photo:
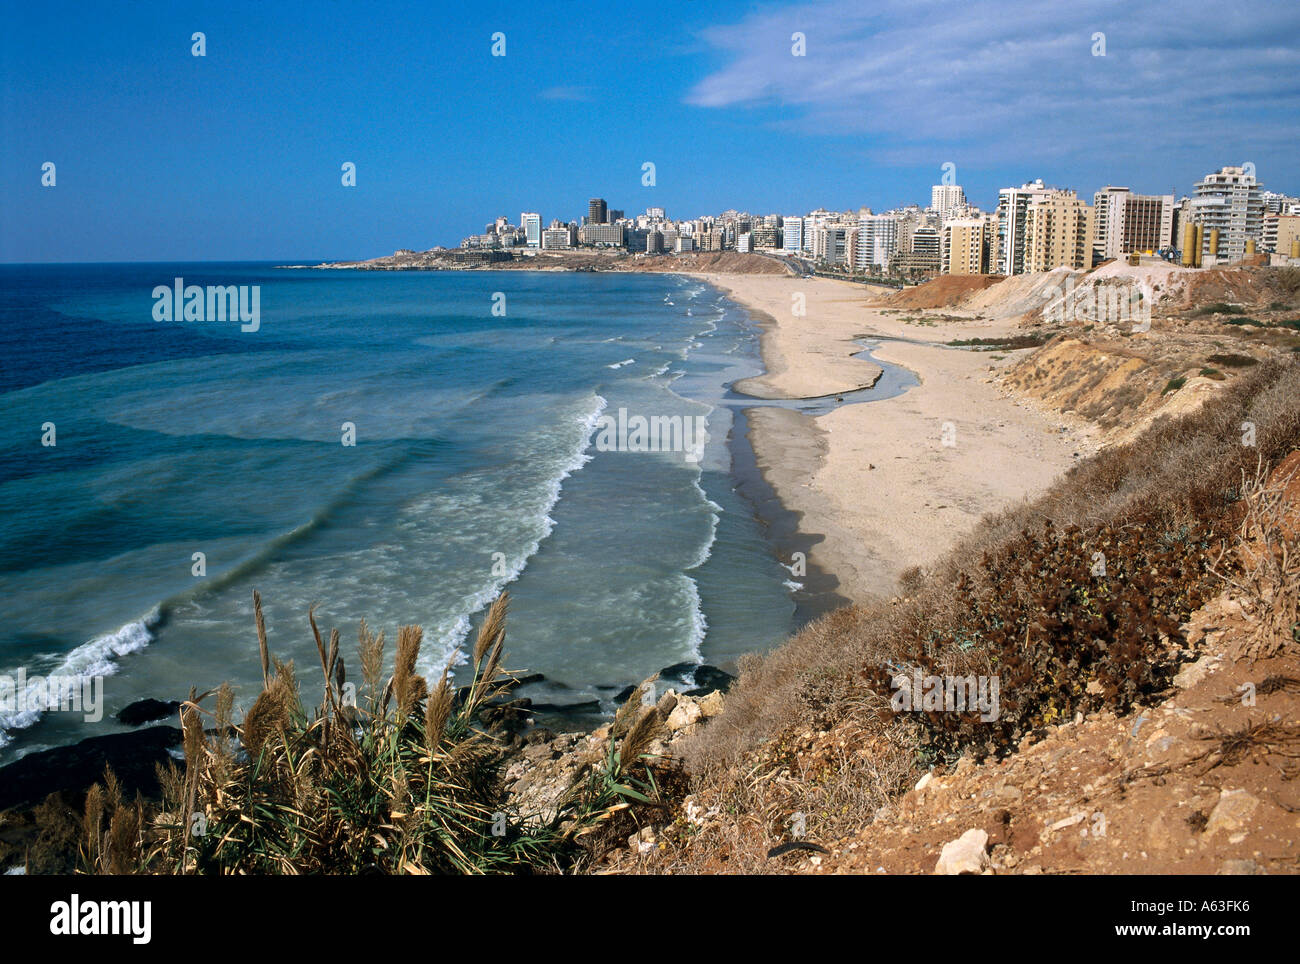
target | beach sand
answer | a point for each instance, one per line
(877, 479)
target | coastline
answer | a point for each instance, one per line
(873, 485)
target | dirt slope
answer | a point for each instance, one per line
(944, 291)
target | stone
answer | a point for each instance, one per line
(643, 841)
(148, 711)
(1238, 868)
(684, 714)
(711, 703)
(965, 855)
(1067, 822)
(924, 782)
(72, 769)
(1232, 813)
(1193, 673)
(1008, 794)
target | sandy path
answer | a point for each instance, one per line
(877, 479)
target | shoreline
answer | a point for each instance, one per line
(873, 484)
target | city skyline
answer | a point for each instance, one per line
(238, 154)
(1034, 227)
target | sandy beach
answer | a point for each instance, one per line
(892, 483)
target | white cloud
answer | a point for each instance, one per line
(566, 93)
(1019, 79)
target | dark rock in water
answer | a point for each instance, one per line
(706, 678)
(709, 678)
(148, 711)
(569, 709)
(679, 671)
(72, 769)
(624, 695)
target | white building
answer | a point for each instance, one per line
(1231, 202)
(831, 243)
(878, 237)
(531, 222)
(792, 234)
(946, 199)
(1013, 202)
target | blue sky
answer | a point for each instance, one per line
(161, 155)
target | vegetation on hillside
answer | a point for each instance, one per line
(1074, 600)
(379, 777)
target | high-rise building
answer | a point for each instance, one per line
(1058, 233)
(1229, 210)
(597, 211)
(1125, 222)
(792, 234)
(966, 246)
(603, 235)
(1280, 203)
(878, 239)
(922, 255)
(1013, 202)
(559, 237)
(830, 243)
(945, 198)
(1281, 232)
(1108, 214)
(531, 222)
(1148, 223)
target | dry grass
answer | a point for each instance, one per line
(1266, 570)
(399, 780)
(1181, 476)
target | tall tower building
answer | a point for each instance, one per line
(597, 211)
(1229, 208)
(965, 246)
(531, 222)
(945, 198)
(1058, 233)
(1013, 203)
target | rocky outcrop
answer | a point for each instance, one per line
(542, 773)
(72, 769)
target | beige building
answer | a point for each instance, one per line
(1058, 232)
(1281, 232)
(966, 246)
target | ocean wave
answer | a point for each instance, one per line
(95, 658)
(626, 361)
(453, 632)
(699, 625)
(715, 510)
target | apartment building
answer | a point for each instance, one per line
(1058, 232)
(945, 199)
(1126, 222)
(1228, 210)
(1013, 204)
(966, 246)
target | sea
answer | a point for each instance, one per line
(389, 446)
